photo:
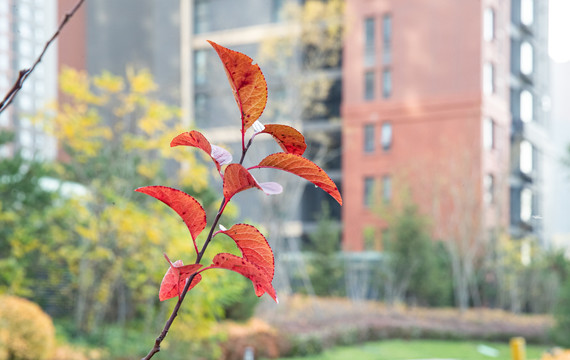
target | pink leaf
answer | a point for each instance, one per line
(253, 246)
(175, 279)
(304, 168)
(185, 205)
(196, 139)
(259, 278)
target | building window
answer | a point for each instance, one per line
(489, 188)
(386, 136)
(387, 39)
(201, 22)
(276, 11)
(489, 24)
(526, 106)
(386, 188)
(526, 204)
(386, 83)
(369, 42)
(369, 85)
(368, 191)
(488, 78)
(526, 157)
(488, 133)
(200, 67)
(369, 138)
(527, 12)
(201, 109)
(526, 58)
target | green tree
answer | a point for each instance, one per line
(324, 246)
(416, 267)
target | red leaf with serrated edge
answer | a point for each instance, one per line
(175, 279)
(236, 179)
(196, 139)
(304, 168)
(290, 140)
(247, 82)
(185, 205)
(253, 245)
(259, 278)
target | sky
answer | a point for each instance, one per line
(559, 30)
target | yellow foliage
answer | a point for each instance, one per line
(556, 354)
(26, 332)
(109, 82)
(141, 82)
(76, 84)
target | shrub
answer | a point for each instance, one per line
(26, 332)
(562, 316)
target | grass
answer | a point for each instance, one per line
(421, 349)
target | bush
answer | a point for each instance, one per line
(26, 332)
(562, 317)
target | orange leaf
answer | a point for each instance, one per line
(247, 82)
(304, 168)
(185, 205)
(236, 179)
(290, 140)
(253, 245)
(175, 279)
(260, 279)
(196, 139)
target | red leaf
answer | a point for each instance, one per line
(236, 179)
(254, 247)
(175, 279)
(260, 279)
(185, 205)
(290, 140)
(247, 82)
(196, 139)
(304, 168)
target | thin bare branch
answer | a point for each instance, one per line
(24, 73)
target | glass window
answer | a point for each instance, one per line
(527, 58)
(369, 85)
(200, 67)
(369, 138)
(386, 136)
(369, 42)
(526, 157)
(387, 39)
(489, 188)
(488, 79)
(527, 12)
(386, 83)
(386, 188)
(488, 133)
(368, 191)
(526, 204)
(526, 106)
(489, 24)
(200, 108)
(276, 11)
(201, 23)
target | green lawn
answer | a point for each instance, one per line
(421, 349)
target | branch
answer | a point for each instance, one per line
(24, 73)
(174, 314)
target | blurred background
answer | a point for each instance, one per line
(444, 124)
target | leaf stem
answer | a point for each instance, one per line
(174, 314)
(245, 150)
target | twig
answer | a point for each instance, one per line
(24, 73)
